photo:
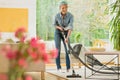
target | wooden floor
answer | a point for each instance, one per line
(81, 72)
(50, 76)
(47, 76)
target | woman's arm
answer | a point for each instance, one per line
(60, 28)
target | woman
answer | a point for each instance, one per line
(63, 22)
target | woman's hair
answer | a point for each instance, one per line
(63, 3)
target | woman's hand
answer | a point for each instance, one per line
(61, 29)
(66, 40)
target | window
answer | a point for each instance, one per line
(90, 19)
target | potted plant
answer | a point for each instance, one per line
(77, 37)
(115, 25)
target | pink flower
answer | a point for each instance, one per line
(45, 58)
(34, 42)
(20, 33)
(28, 78)
(41, 51)
(54, 53)
(11, 55)
(34, 55)
(22, 63)
(41, 47)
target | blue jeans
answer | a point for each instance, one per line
(58, 39)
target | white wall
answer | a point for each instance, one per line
(31, 5)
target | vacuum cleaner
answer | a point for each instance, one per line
(73, 75)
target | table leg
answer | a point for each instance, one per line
(42, 75)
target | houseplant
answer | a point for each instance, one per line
(115, 25)
(77, 37)
(27, 51)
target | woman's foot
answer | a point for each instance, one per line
(68, 70)
(59, 70)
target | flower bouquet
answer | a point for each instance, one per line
(27, 51)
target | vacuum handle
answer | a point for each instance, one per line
(63, 34)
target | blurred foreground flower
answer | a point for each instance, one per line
(32, 50)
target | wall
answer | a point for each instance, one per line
(31, 5)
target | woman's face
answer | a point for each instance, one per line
(63, 9)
